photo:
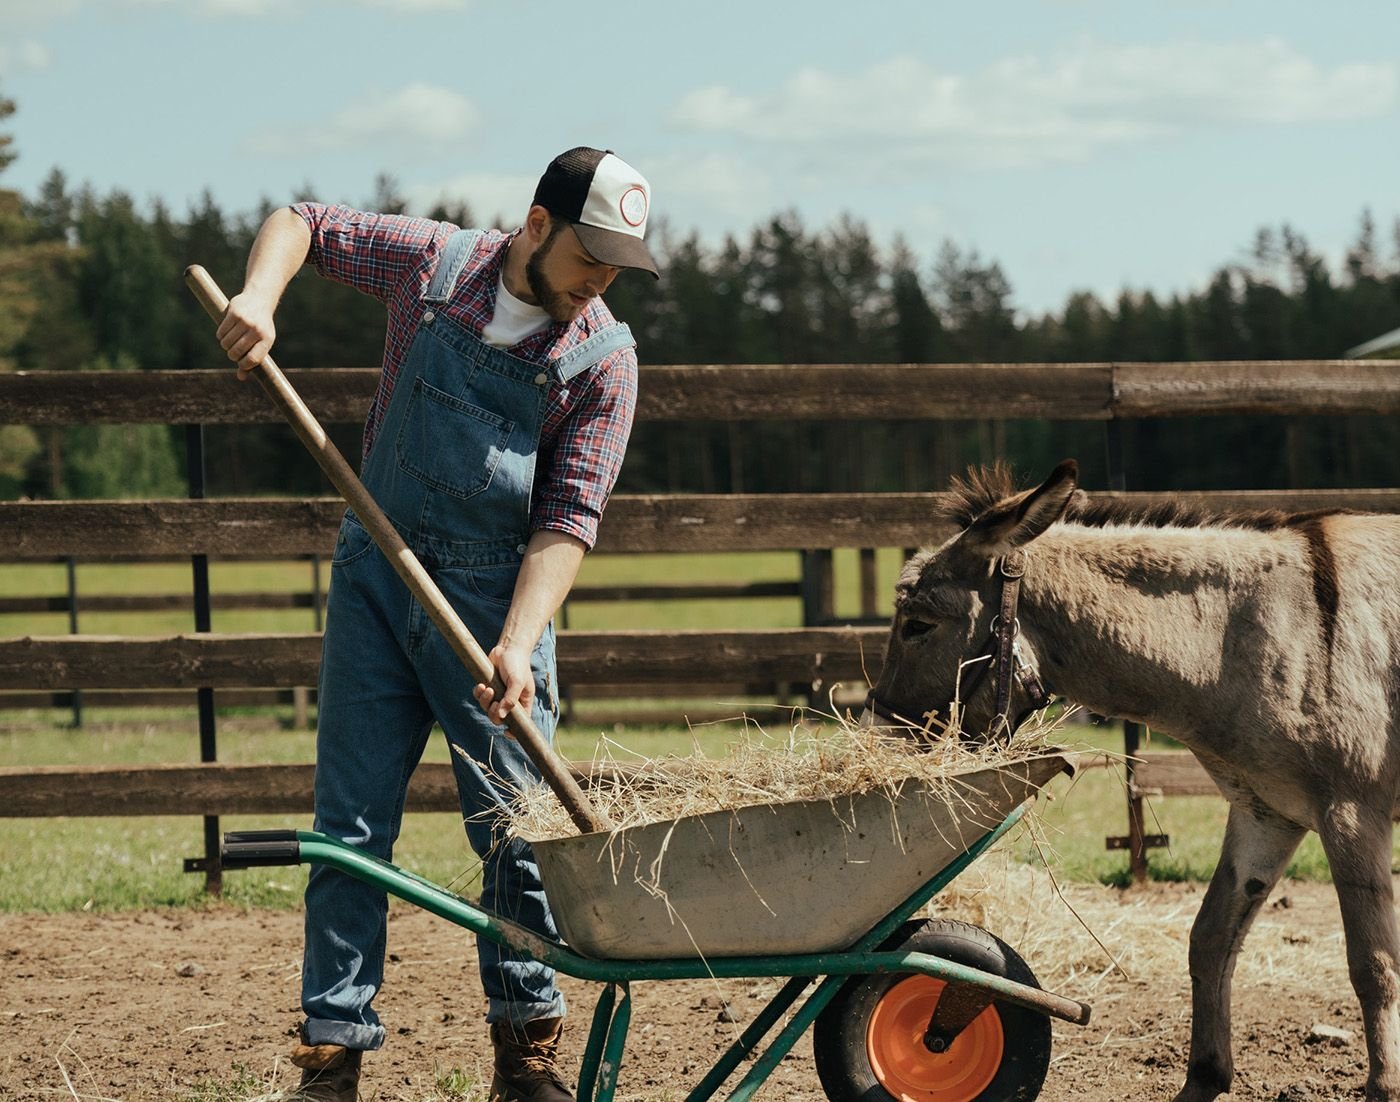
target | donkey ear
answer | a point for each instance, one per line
(1020, 519)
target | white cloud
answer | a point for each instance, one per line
(23, 57)
(222, 8)
(412, 6)
(687, 189)
(21, 13)
(725, 183)
(419, 116)
(1031, 109)
(242, 8)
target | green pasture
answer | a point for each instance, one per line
(139, 579)
(123, 863)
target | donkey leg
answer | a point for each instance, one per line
(1357, 842)
(1257, 847)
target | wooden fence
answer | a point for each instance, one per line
(817, 655)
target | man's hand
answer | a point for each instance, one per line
(548, 570)
(513, 665)
(246, 331)
(280, 248)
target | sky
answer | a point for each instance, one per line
(1082, 145)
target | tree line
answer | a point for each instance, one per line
(93, 281)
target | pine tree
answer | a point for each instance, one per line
(120, 461)
(918, 331)
(19, 304)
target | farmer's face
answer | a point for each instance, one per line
(563, 277)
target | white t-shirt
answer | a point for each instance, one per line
(513, 321)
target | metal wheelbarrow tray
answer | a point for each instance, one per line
(807, 890)
(786, 878)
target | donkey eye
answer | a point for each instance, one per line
(912, 629)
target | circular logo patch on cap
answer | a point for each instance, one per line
(633, 205)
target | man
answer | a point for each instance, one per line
(495, 436)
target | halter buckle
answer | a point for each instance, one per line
(1013, 564)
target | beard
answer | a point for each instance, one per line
(554, 302)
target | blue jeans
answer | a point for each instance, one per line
(386, 674)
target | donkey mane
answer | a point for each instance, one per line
(983, 488)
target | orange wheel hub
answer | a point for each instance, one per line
(903, 1064)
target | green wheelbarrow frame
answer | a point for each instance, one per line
(612, 1014)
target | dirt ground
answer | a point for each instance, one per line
(162, 1005)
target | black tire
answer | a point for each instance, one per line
(1003, 1058)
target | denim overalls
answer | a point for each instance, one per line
(452, 465)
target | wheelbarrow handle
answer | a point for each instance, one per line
(402, 558)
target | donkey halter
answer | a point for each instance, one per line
(1002, 653)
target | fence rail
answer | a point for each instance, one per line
(817, 656)
(763, 392)
(813, 523)
(634, 523)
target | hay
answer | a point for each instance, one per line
(825, 760)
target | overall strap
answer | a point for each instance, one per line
(454, 258)
(594, 350)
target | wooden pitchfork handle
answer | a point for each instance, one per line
(420, 584)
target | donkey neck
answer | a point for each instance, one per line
(1137, 622)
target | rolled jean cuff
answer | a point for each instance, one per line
(323, 1031)
(518, 1013)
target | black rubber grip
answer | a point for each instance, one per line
(246, 849)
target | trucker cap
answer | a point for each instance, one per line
(606, 200)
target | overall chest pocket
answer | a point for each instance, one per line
(450, 445)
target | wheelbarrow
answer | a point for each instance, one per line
(820, 891)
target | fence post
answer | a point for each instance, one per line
(868, 595)
(1135, 842)
(818, 603)
(301, 694)
(76, 694)
(565, 692)
(1137, 835)
(210, 863)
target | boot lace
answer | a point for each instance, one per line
(539, 1061)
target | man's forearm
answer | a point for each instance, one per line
(278, 252)
(247, 329)
(547, 573)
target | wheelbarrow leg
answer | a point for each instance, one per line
(782, 1044)
(602, 1058)
(748, 1040)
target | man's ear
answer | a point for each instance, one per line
(538, 222)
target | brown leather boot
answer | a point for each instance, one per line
(527, 1062)
(329, 1073)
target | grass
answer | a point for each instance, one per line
(123, 863)
(239, 1085)
(111, 864)
(1079, 816)
(450, 1084)
(108, 579)
(114, 864)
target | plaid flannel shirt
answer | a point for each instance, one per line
(586, 424)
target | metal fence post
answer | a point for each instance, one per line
(209, 864)
(75, 694)
(1136, 841)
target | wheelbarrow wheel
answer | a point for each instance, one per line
(869, 1041)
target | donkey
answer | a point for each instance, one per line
(1268, 643)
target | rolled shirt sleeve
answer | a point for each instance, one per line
(579, 465)
(374, 253)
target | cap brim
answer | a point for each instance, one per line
(618, 249)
